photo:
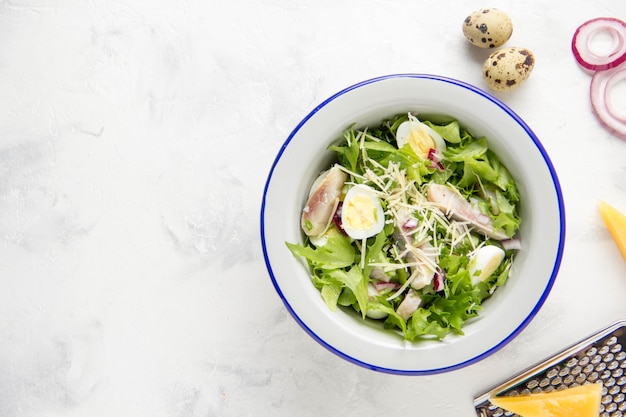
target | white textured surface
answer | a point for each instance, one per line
(135, 138)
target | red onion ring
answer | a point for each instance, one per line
(601, 84)
(583, 36)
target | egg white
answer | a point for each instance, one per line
(419, 136)
(484, 262)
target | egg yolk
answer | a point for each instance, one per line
(360, 213)
(420, 142)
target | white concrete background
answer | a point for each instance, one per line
(135, 139)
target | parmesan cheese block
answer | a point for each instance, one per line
(616, 223)
(579, 401)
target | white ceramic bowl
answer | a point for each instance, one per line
(304, 154)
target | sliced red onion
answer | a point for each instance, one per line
(337, 219)
(583, 38)
(410, 224)
(511, 244)
(434, 158)
(601, 85)
(381, 285)
(438, 281)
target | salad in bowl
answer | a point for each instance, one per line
(412, 224)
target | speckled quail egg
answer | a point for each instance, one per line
(484, 262)
(362, 214)
(488, 28)
(420, 137)
(507, 68)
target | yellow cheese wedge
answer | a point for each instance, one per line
(579, 401)
(616, 223)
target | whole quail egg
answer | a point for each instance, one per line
(488, 28)
(507, 68)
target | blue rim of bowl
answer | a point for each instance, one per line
(547, 289)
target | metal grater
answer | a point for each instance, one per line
(599, 358)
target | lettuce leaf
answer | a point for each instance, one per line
(355, 280)
(422, 324)
(330, 294)
(450, 132)
(338, 251)
(503, 179)
(348, 152)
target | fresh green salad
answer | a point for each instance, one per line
(414, 225)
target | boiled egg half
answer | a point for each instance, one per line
(420, 137)
(484, 262)
(362, 214)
